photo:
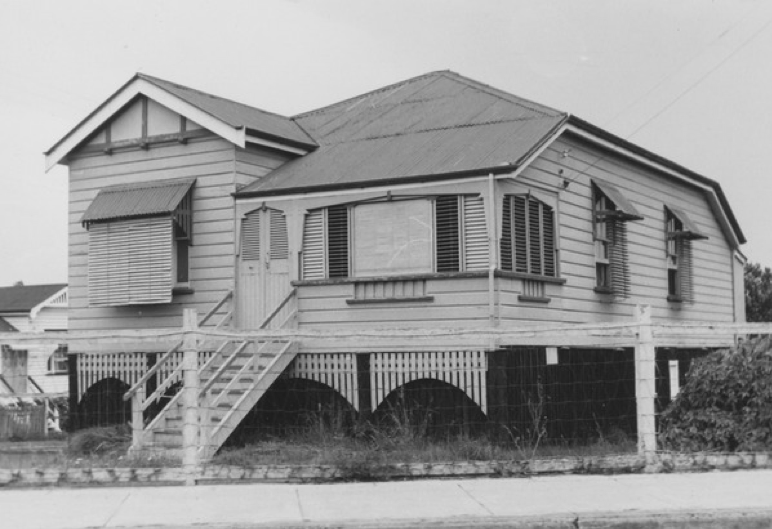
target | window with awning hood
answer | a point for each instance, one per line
(680, 231)
(139, 239)
(611, 213)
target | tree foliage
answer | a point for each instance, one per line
(758, 293)
(726, 403)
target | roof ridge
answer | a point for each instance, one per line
(367, 94)
(153, 78)
(503, 94)
(433, 129)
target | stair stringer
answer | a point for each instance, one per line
(234, 416)
(172, 412)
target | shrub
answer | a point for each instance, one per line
(726, 403)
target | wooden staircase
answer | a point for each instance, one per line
(231, 382)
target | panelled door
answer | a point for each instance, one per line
(263, 266)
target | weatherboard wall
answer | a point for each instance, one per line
(576, 162)
(218, 167)
(463, 301)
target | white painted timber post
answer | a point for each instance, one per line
(645, 388)
(190, 396)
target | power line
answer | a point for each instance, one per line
(681, 66)
(701, 79)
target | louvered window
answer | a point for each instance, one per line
(314, 266)
(338, 241)
(447, 234)
(396, 237)
(611, 212)
(475, 237)
(680, 231)
(139, 242)
(528, 236)
(130, 262)
(279, 245)
(250, 237)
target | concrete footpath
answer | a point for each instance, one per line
(715, 499)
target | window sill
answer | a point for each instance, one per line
(405, 277)
(530, 277)
(675, 299)
(533, 299)
(182, 291)
(608, 291)
(422, 299)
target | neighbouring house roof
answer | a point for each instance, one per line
(18, 299)
(6, 327)
(137, 200)
(437, 124)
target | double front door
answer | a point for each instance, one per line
(263, 276)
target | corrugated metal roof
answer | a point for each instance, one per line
(236, 114)
(24, 298)
(137, 200)
(435, 124)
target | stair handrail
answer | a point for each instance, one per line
(152, 371)
(168, 354)
(214, 310)
(275, 312)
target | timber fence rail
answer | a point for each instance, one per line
(554, 389)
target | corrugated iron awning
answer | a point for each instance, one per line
(625, 209)
(137, 200)
(689, 228)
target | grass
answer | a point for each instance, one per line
(384, 446)
(101, 447)
(300, 452)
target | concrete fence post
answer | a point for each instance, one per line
(645, 387)
(137, 419)
(190, 396)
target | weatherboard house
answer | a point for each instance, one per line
(434, 203)
(34, 366)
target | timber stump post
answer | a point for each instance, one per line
(645, 384)
(190, 396)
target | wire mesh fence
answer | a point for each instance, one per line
(269, 397)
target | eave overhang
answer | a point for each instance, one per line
(711, 188)
(385, 182)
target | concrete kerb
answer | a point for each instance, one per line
(278, 473)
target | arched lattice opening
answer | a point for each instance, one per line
(429, 408)
(295, 408)
(103, 405)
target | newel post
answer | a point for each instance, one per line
(190, 396)
(645, 388)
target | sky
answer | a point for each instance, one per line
(690, 80)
